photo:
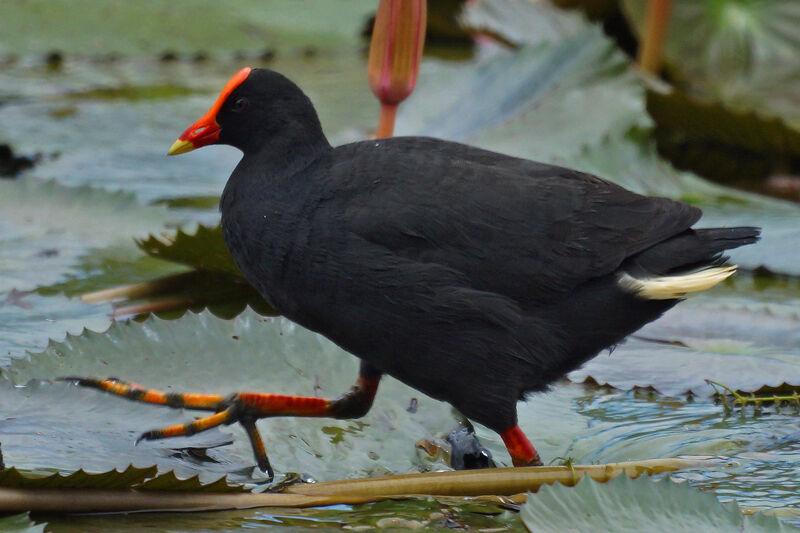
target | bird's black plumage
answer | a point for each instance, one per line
(472, 276)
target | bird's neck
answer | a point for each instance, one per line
(298, 145)
(269, 172)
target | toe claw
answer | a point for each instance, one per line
(75, 380)
(147, 435)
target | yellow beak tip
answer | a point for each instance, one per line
(180, 147)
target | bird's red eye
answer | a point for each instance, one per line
(239, 105)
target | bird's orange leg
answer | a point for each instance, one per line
(520, 448)
(243, 407)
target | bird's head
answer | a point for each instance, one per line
(254, 107)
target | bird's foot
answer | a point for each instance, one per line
(242, 407)
(466, 451)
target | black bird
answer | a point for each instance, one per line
(472, 276)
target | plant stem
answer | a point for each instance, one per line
(655, 32)
(500, 481)
(757, 400)
(386, 120)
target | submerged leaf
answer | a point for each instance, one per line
(624, 505)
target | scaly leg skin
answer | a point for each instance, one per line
(520, 448)
(243, 407)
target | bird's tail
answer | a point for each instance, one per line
(675, 286)
(687, 263)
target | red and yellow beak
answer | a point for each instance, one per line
(206, 130)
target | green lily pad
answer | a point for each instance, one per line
(52, 226)
(85, 27)
(511, 20)
(130, 478)
(532, 101)
(120, 143)
(625, 505)
(733, 146)
(20, 523)
(29, 320)
(742, 344)
(202, 353)
(742, 54)
(203, 249)
(114, 479)
(46, 233)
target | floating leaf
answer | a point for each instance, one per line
(52, 226)
(94, 139)
(169, 481)
(624, 505)
(251, 25)
(29, 320)
(216, 283)
(203, 353)
(725, 144)
(533, 102)
(20, 523)
(744, 55)
(521, 22)
(112, 480)
(204, 249)
(742, 344)
(131, 478)
(46, 233)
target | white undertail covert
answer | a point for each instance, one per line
(677, 285)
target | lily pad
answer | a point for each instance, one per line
(20, 523)
(744, 345)
(203, 249)
(625, 505)
(114, 479)
(742, 54)
(120, 143)
(52, 226)
(636, 165)
(29, 320)
(85, 27)
(728, 145)
(203, 353)
(534, 102)
(130, 478)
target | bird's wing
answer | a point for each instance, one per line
(519, 228)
